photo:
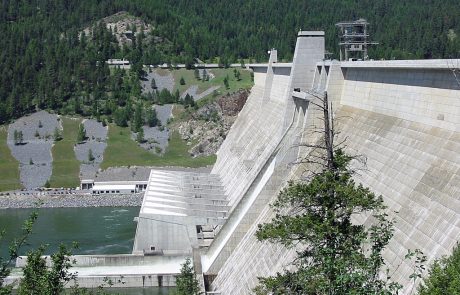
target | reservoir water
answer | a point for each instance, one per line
(103, 230)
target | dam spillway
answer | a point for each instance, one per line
(404, 116)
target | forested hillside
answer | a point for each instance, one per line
(47, 63)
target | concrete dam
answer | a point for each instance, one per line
(403, 115)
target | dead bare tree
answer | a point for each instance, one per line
(323, 150)
(454, 67)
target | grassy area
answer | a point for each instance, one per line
(9, 166)
(66, 167)
(220, 74)
(123, 151)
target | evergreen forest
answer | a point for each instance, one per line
(48, 63)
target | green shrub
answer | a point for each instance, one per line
(444, 276)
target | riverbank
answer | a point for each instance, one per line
(70, 200)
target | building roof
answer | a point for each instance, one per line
(111, 187)
(311, 33)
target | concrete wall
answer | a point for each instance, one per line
(405, 117)
(417, 170)
(407, 122)
(252, 155)
(252, 137)
(123, 270)
(127, 281)
(427, 96)
(164, 232)
(112, 260)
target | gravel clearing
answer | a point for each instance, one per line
(192, 91)
(34, 154)
(162, 82)
(157, 138)
(97, 136)
(205, 93)
(164, 113)
(70, 200)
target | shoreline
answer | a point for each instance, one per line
(70, 201)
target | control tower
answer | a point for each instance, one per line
(354, 40)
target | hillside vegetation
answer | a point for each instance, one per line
(9, 166)
(122, 151)
(66, 167)
(47, 63)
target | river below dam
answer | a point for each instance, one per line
(97, 230)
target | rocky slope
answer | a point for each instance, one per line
(124, 27)
(208, 126)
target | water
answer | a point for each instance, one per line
(106, 230)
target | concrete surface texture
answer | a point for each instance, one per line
(264, 182)
(405, 117)
(253, 136)
(174, 204)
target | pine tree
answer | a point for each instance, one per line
(176, 96)
(227, 86)
(15, 136)
(205, 75)
(90, 155)
(152, 119)
(186, 282)
(21, 137)
(120, 117)
(18, 137)
(138, 119)
(182, 81)
(81, 135)
(238, 76)
(140, 136)
(57, 134)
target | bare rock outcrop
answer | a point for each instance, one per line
(209, 125)
(124, 27)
